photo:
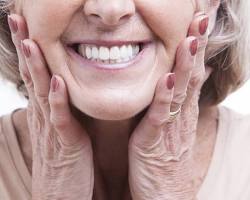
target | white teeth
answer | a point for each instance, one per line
(104, 53)
(111, 55)
(114, 53)
(136, 49)
(124, 51)
(88, 52)
(95, 53)
(130, 51)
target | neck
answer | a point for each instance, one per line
(108, 132)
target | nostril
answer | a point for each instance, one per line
(125, 17)
(95, 16)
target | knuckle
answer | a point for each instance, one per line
(42, 99)
(60, 122)
(184, 67)
(38, 122)
(179, 97)
(202, 44)
(29, 84)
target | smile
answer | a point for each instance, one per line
(109, 55)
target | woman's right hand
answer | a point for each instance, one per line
(62, 157)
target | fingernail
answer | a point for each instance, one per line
(54, 84)
(12, 24)
(171, 81)
(203, 25)
(194, 47)
(25, 49)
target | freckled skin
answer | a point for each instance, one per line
(106, 96)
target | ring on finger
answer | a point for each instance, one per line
(173, 115)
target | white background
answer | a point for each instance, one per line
(10, 99)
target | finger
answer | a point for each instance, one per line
(198, 29)
(39, 74)
(71, 133)
(148, 133)
(185, 59)
(19, 32)
(200, 73)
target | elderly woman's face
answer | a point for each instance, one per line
(98, 27)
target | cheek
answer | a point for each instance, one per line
(169, 20)
(48, 19)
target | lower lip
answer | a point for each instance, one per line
(111, 67)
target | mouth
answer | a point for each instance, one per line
(109, 55)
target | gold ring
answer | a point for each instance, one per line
(173, 115)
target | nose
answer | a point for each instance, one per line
(109, 12)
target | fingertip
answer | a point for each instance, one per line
(61, 82)
(165, 88)
(186, 54)
(12, 24)
(54, 84)
(185, 45)
(57, 85)
(18, 27)
(25, 48)
(170, 81)
(203, 25)
(34, 49)
(193, 46)
(199, 25)
(60, 115)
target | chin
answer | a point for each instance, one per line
(113, 109)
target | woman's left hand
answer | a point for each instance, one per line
(160, 151)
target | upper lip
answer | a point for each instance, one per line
(109, 43)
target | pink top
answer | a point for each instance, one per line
(228, 177)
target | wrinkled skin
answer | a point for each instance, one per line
(154, 142)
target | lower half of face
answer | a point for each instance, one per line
(99, 83)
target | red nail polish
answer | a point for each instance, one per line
(54, 84)
(171, 81)
(203, 25)
(25, 49)
(194, 47)
(12, 24)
